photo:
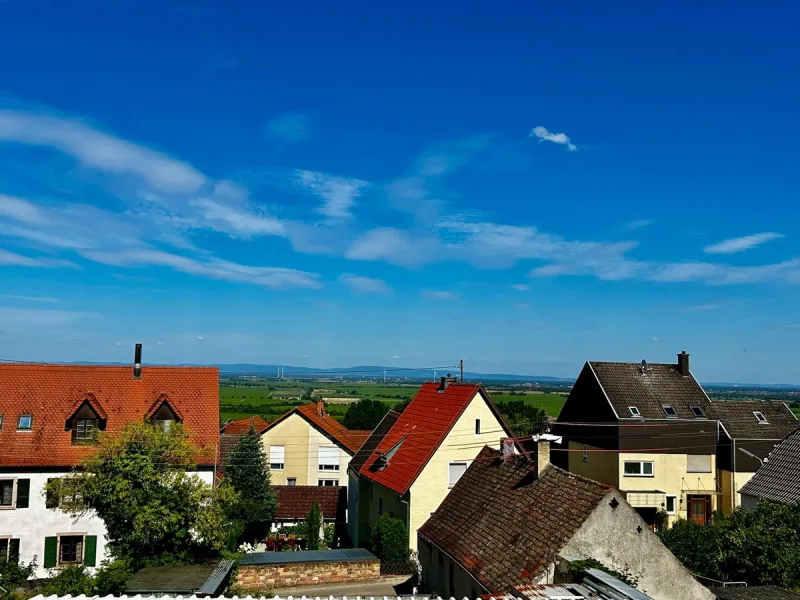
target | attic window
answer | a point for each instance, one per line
(1, 421)
(25, 423)
(634, 411)
(762, 420)
(697, 411)
(669, 411)
(164, 416)
(84, 423)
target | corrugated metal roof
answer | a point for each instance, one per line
(615, 584)
(285, 558)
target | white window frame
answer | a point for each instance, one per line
(641, 464)
(321, 484)
(19, 422)
(459, 463)
(291, 481)
(635, 412)
(13, 504)
(83, 548)
(277, 466)
(327, 463)
(762, 420)
(674, 510)
(8, 539)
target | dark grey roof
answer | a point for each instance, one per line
(740, 423)
(374, 439)
(285, 558)
(757, 592)
(627, 385)
(213, 585)
(186, 579)
(779, 478)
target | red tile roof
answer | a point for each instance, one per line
(421, 428)
(349, 439)
(242, 426)
(52, 394)
(294, 501)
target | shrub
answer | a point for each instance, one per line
(73, 580)
(14, 573)
(111, 577)
(313, 525)
(390, 540)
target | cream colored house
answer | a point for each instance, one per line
(307, 446)
(414, 463)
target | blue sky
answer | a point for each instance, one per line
(328, 184)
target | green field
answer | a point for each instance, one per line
(272, 399)
(796, 412)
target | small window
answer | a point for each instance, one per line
(697, 411)
(671, 505)
(455, 471)
(585, 453)
(7, 493)
(328, 459)
(328, 482)
(638, 468)
(669, 411)
(9, 549)
(291, 481)
(25, 423)
(70, 551)
(698, 463)
(477, 426)
(634, 411)
(277, 456)
(380, 505)
(762, 420)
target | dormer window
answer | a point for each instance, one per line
(86, 421)
(762, 420)
(669, 411)
(698, 412)
(164, 416)
(634, 411)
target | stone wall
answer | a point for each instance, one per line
(268, 577)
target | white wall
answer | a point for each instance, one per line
(33, 524)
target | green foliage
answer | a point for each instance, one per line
(577, 570)
(308, 394)
(111, 578)
(73, 580)
(154, 512)
(365, 414)
(523, 418)
(330, 535)
(390, 539)
(661, 520)
(247, 473)
(14, 573)
(759, 546)
(313, 525)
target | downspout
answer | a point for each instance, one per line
(408, 518)
(733, 478)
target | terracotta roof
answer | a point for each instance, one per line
(242, 426)
(418, 432)
(740, 423)
(504, 524)
(52, 393)
(755, 592)
(349, 439)
(375, 438)
(779, 477)
(294, 501)
(626, 385)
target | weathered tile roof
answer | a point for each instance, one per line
(242, 426)
(52, 393)
(418, 432)
(755, 592)
(740, 423)
(779, 478)
(627, 385)
(315, 413)
(294, 501)
(504, 524)
(369, 446)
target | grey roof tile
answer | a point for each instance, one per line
(779, 478)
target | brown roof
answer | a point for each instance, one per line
(53, 393)
(626, 385)
(755, 592)
(294, 501)
(315, 413)
(242, 426)
(779, 478)
(504, 525)
(740, 423)
(375, 438)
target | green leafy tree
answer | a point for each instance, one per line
(247, 473)
(313, 525)
(73, 580)
(390, 540)
(523, 418)
(365, 414)
(155, 513)
(111, 578)
(14, 574)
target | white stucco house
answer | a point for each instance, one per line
(48, 418)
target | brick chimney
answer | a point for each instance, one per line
(321, 408)
(543, 441)
(683, 364)
(444, 382)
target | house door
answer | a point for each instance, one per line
(699, 509)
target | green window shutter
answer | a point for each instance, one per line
(50, 552)
(23, 492)
(90, 551)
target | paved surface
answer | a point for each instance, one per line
(385, 587)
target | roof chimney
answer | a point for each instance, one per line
(444, 382)
(321, 408)
(543, 441)
(137, 362)
(683, 363)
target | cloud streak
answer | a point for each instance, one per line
(741, 244)
(338, 193)
(365, 285)
(557, 138)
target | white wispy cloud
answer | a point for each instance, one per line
(520, 287)
(440, 295)
(365, 285)
(638, 224)
(16, 318)
(703, 307)
(339, 193)
(30, 298)
(18, 260)
(291, 127)
(740, 244)
(557, 138)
